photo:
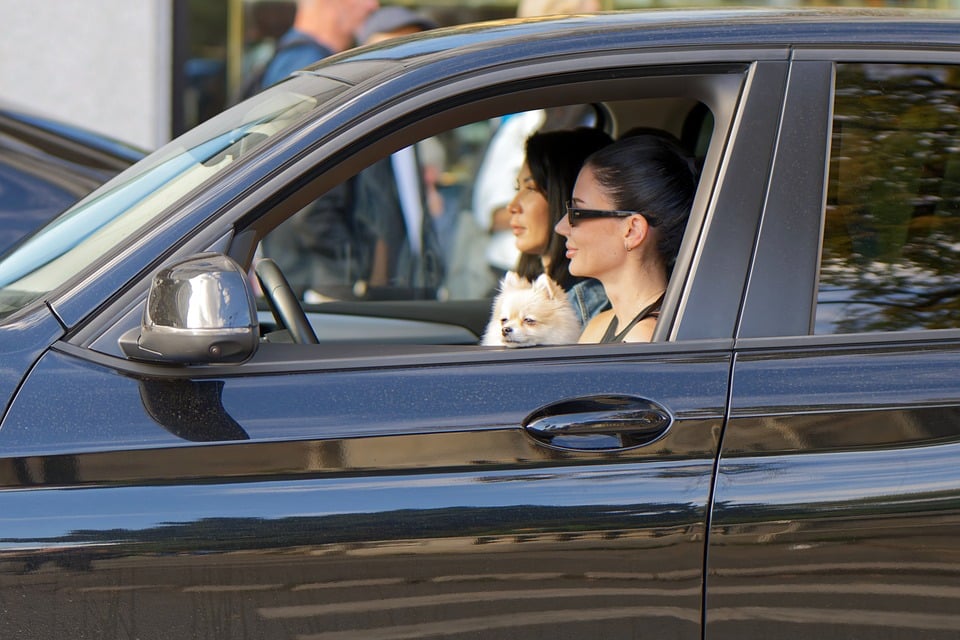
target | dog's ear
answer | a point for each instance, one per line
(512, 280)
(546, 284)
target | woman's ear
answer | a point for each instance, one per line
(636, 232)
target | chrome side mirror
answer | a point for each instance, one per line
(198, 311)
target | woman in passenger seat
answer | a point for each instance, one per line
(624, 226)
(544, 185)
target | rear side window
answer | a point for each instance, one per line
(891, 251)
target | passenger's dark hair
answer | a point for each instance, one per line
(555, 159)
(653, 175)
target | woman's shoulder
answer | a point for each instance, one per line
(597, 326)
(642, 331)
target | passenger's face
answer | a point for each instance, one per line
(595, 247)
(529, 215)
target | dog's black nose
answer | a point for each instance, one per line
(506, 331)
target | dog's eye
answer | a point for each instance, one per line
(504, 320)
(530, 321)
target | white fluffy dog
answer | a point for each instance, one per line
(526, 314)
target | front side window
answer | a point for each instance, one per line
(414, 247)
(891, 248)
(432, 221)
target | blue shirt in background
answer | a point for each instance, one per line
(295, 50)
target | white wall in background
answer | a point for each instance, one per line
(101, 64)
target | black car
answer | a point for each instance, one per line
(47, 165)
(777, 463)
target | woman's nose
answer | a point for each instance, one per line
(514, 205)
(563, 226)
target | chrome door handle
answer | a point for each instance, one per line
(599, 423)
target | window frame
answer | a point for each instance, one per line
(489, 93)
(780, 302)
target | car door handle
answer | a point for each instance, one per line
(599, 423)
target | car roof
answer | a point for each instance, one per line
(493, 43)
(680, 28)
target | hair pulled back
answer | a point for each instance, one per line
(653, 175)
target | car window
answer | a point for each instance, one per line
(891, 246)
(365, 247)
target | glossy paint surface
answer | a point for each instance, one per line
(838, 497)
(408, 511)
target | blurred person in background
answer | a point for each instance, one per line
(391, 195)
(264, 22)
(372, 231)
(391, 22)
(323, 247)
(448, 230)
(320, 29)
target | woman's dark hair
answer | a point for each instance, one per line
(654, 175)
(555, 159)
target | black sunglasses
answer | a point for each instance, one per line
(576, 214)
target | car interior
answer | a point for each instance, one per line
(359, 312)
(436, 313)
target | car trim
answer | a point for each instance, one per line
(289, 358)
(780, 294)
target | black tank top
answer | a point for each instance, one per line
(651, 311)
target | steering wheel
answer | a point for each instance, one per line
(283, 303)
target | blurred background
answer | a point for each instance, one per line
(144, 71)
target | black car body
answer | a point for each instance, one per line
(778, 462)
(46, 166)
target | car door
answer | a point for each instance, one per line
(384, 490)
(836, 509)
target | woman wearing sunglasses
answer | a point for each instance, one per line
(623, 227)
(544, 184)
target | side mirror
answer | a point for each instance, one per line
(199, 311)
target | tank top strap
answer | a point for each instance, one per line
(650, 311)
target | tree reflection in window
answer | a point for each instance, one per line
(891, 252)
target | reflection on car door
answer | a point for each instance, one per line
(403, 501)
(837, 506)
(837, 495)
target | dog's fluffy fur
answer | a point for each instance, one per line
(526, 314)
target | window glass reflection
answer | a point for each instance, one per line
(891, 249)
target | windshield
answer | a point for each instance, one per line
(108, 217)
